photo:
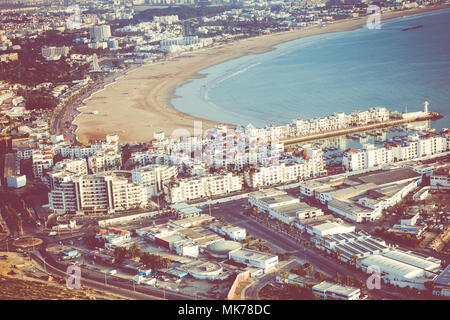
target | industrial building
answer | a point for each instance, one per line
(279, 205)
(331, 291)
(184, 210)
(325, 225)
(362, 197)
(227, 230)
(441, 284)
(402, 268)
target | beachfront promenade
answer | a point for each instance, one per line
(333, 133)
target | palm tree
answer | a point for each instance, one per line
(284, 275)
(353, 260)
(338, 277)
(339, 253)
(291, 228)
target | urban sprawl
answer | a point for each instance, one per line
(231, 212)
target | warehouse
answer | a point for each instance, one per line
(184, 210)
(352, 245)
(441, 284)
(362, 197)
(281, 206)
(402, 268)
(331, 291)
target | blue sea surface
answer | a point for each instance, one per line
(322, 74)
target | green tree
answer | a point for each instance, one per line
(120, 254)
(135, 251)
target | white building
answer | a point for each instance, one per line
(440, 180)
(153, 177)
(232, 232)
(253, 258)
(77, 166)
(206, 186)
(331, 291)
(41, 162)
(402, 268)
(166, 19)
(99, 32)
(105, 160)
(107, 193)
(279, 205)
(186, 248)
(367, 157)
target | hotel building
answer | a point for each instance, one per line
(153, 177)
(206, 186)
(99, 193)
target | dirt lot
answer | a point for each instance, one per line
(21, 280)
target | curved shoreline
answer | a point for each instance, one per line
(148, 90)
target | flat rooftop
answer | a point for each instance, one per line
(199, 266)
(202, 218)
(444, 278)
(252, 254)
(185, 208)
(347, 207)
(277, 199)
(10, 165)
(294, 208)
(272, 192)
(382, 177)
(335, 288)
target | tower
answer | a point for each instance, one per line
(425, 106)
(95, 66)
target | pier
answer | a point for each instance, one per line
(431, 116)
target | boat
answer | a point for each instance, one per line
(353, 136)
(413, 28)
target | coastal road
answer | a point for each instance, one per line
(114, 285)
(123, 293)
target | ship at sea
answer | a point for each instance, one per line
(412, 28)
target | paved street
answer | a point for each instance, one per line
(233, 213)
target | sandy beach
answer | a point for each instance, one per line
(138, 104)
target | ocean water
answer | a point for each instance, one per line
(322, 74)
